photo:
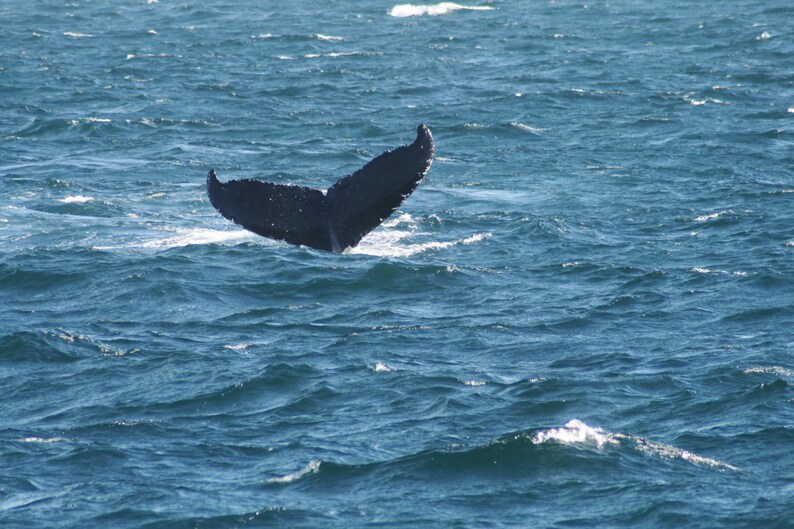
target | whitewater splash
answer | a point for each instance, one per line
(577, 432)
(389, 242)
(186, 237)
(410, 10)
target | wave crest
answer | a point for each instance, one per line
(411, 10)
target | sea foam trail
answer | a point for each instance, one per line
(411, 10)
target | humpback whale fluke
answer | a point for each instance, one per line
(336, 219)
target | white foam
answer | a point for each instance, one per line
(527, 128)
(764, 36)
(337, 54)
(771, 370)
(577, 432)
(411, 10)
(699, 102)
(77, 35)
(311, 468)
(77, 199)
(42, 440)
(474, 383)
(386, 243)
(405, 218)
(666, 451)
(380, 367)
(187, 237)
(711, 216)
(320, 36)
(238, 347)
(699, 270)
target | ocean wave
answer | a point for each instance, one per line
(516, 454)
(411, 10)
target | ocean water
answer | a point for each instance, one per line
(581, 318)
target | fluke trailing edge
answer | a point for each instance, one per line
(334, 220)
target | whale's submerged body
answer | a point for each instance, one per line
(334, 220)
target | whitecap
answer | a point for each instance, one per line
(771, 370)
(77, 199)
(238, 347)
(380, 367)
(577, 432)
(337, 54)
(527, 128)
(699, 102)
(474, 383)
(711, 216)
(42, 440)
(320, 36)
(700, 270)
(411, 10)
(311, 468)
(74, 35)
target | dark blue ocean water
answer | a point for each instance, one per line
(581, 318)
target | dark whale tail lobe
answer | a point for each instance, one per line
(334, 220)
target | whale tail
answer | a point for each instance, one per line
(336, 220)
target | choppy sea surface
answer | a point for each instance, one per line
(583, 317)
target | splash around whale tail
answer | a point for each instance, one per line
(337, 219)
